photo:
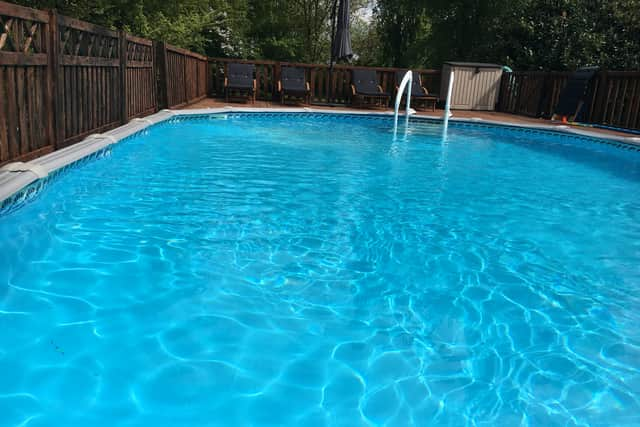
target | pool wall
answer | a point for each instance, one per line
(20, 182)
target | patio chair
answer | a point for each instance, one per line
(293, 84)
(365, 89)
(419, 94)
(239, 82)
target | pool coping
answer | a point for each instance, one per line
(18, 176)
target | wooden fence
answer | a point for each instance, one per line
(268, 74)
(616, 101)
(62, 79)
(188, 76)
(26, 89)
(88, 79)
(140, 75)
(613, 98)
(533, 94)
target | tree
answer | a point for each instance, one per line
(291, 30)
(525, 34)
(214, 27)
(403, 27)
(568, 34)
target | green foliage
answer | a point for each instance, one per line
(403, 26)
(213, 27)
(572, 33)
(291, 30)
(365, 42)
(525, 34)
(109, 13)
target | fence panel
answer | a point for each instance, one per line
(62, 79)
(26, 127)
(613, 98)
(140, 78)
(617, 101)
(89, 79)
(531, 93)
(186, 77)
(175, 85)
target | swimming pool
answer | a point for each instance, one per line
(308, 270)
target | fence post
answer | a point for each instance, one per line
(501, 92)
(207, 75)
(161, 74)
(185, 59)
(277, 73)
(55, 126)
(122, 38)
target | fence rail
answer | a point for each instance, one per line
(613, 99)
(334, 89)
(62, 79)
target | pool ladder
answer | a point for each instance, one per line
(447, 108)
(407, 82)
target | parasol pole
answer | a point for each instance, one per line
(333, 48)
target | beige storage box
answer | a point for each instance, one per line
(475, 86)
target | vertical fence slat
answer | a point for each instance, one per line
(635, 114)
(23, 109)
(12, 117)
(629, 109)
(4, 144)
(122, 55)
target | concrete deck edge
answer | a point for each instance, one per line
(15, 177)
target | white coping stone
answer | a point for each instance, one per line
(12, 181)
(13, 167)
(111, 138)
(36, 169)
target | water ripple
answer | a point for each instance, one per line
(292, 270)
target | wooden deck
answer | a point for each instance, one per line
(483, 115)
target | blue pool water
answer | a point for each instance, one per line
(276, 270)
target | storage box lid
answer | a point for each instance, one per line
(473, 64)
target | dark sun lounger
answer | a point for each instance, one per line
(239, 82)
(365, 89)
(293, 84)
